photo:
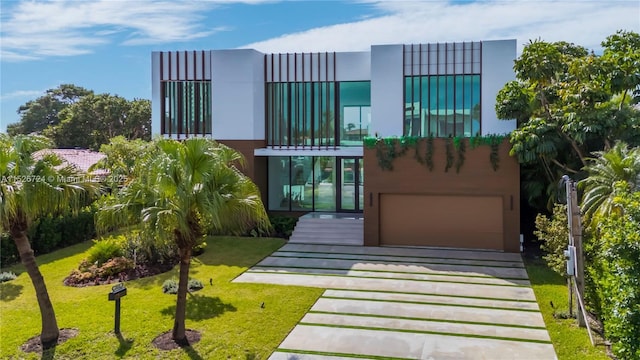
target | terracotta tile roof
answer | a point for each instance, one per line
(82, 159)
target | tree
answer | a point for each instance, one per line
(121, 155)
(620, 164)
(568, 104)
(29, 189)
(178, 191)
(95, 119)
(36, 115)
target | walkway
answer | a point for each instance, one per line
(408, 303)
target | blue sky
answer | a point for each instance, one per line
(106, 45)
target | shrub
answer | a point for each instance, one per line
(52, 232)
(106, 249)
(195, 285)
(7, 276)
(283, 225)
(198, 249)
(170, 286)
(617, 276)
(8, 251)
(554, 234)
(114, 266)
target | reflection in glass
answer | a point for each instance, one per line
(355, 112)
(324, 184)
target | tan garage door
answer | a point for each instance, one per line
(449, 221)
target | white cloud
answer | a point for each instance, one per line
(64, 28)
(585, 23)
(19, 94)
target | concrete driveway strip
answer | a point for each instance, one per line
(408, 303)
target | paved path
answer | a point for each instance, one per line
(408, 303)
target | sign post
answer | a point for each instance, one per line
(117, 292)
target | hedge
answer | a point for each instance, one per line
(50, 233)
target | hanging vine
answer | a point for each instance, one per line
(429, 153)
(388, 149)
(461, 147)
(450, 158)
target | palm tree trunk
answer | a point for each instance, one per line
(179, 331)
(50, 332)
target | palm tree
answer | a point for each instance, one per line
(30, 188)
(178, 192)
(620, 164)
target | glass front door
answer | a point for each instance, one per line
(351, 184)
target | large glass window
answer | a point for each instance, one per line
(301, 114)
(310, 183)
(355, 112)
(442, 105)
(186, 107)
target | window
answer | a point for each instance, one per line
(301, 114)
(355, 111)
(442, 105)
(186, 107)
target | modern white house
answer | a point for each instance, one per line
(300, 120)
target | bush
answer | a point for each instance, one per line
(554, 234)
(616, 275)
(198, 249)
(170, 286)
(195, 285)
(7, 276)
(8, 252)
(283, 225)
(52, 232)
(106, 249)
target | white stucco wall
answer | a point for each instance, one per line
(155, 93)
(497, 70)
(353, 66)
(237, 88)
(387, 82)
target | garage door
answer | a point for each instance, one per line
(448, 221)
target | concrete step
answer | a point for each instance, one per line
(391, 285)
(354, 264)
(406, 345)
(500, 317)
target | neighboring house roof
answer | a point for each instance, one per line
(82, 159)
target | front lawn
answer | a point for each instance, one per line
(570, 341)
(229, 316)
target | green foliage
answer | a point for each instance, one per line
(618, 278)
(49, 233)
(37, 115)
(605, 171)
(7, 276)
(283, 225)
(198, 249)
(170, 286)
(94, 119)
(121, 156)
(387, 149)
(568, 104)
(554, 234)
(106, 249)
(448, 147)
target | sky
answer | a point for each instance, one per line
(106, 45)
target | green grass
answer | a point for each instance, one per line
(570, 341)
(228, 315)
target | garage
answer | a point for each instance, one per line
(442, 220)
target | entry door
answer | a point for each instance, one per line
(351, 196)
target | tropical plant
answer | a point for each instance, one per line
(29, 189)
(568, 103)
(179, 191)
(605, 170)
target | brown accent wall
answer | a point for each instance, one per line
(255, 166)
(476, 182)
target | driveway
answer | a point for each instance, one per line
(408, 303)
